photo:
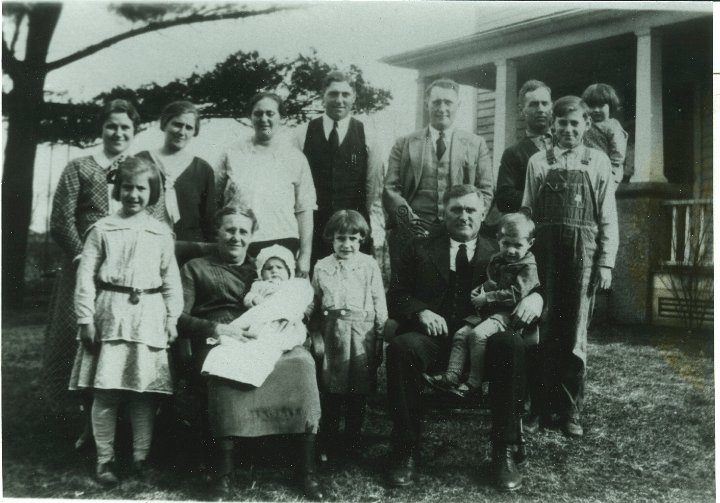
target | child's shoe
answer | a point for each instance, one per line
(462, 390)
(440, 381)
(105, 475)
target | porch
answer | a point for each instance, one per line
(666, 94)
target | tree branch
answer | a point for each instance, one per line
(155, 26)
(9, 61)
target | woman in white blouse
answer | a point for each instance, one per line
(273, 178)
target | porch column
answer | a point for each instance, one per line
(649, 109)
(505, 110)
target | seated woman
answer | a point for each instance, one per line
(287, 402)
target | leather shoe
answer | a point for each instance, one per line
(572, 427)
(402, 473)
(531, 425)
(105, 475)
(508, 477)
(312, 488)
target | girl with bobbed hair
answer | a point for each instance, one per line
(83, 196)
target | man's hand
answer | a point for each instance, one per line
(302, 266)
(527, 311)
(601, 279)
(433, 324)
(172, 334)
(419, 227)
(241, 334)
(478, 298)
(87, 337)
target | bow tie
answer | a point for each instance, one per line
(113, 169)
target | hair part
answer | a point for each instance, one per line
(601, 94)
(135, 166)
(568, 104)
(346, 222)
(177, 108)
(236, 210)
(444, 83)
(261, 96)
(457, 191)
(338, 76)
(119, 106)
(530, 86)
(518, 225)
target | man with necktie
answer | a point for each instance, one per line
(345, 162)
(424, 164)
(429, 297)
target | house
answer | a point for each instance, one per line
(659, 60)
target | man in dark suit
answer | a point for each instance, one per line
(536, 101)
(429, 296)
(426, 163)
(345, 162)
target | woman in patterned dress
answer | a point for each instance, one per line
(82, 197)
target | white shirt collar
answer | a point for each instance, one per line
(455, 245)
(434, 133)
(343, 126)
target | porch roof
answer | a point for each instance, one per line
(516, 31)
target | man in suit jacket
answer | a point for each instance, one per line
(345, 162)
(536, 103)
(424, 164)
(429, 296)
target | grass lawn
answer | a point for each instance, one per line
(649, 425)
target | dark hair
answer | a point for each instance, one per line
(337, 76)
(530, 86)
(568, 104)
(119, 107)
(133, 166)
(445, 84)
(261, 96)
(516, 225)
(462, 190)
(346, 222)
(177, 108)
(600, 94)
(236, 210)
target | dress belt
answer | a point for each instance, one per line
(133, 292)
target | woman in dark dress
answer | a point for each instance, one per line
(288, 401)
(187, 203)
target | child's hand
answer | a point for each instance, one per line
(478, 299)
(172, 334)
(602, 279)
(87, 337)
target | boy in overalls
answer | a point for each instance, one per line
(570, 195)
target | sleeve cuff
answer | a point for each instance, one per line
(85, 320)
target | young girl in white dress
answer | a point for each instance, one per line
(127, 300)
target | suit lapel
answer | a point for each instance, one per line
(439, 251)
(417, 157)
(457, 156)
(484, 250)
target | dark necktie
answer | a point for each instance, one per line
(334, 139)
(440, 145)
(462, 265)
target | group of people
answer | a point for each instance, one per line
(175, 270)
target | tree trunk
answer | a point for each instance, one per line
(25, 103)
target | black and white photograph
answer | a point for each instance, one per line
(358, 251)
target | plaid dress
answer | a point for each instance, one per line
(81, 199)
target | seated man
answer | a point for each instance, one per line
(430, 296)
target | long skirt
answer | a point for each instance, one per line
(60, 341)
(287, 402)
